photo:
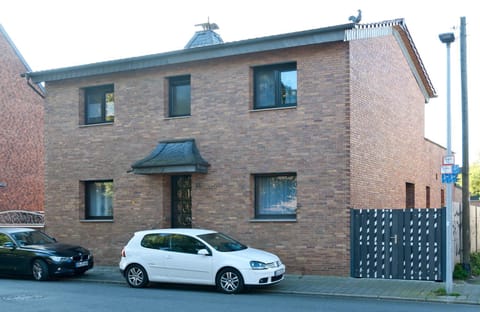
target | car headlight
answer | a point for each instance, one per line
(60, 259)
(257, 265)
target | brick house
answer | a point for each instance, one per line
(21, 129)
(272, 140)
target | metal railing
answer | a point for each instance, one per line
(22, 218)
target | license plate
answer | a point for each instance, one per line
(279, 272)
(81, 264)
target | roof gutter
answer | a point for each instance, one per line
(40, 92)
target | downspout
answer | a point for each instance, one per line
(34, 87)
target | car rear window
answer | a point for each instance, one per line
(156, 241)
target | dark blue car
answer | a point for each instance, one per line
(25, 251)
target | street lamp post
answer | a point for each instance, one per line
(448, 38)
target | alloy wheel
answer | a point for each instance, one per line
(230, 281)
(136, 276)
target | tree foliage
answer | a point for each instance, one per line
(474, 179)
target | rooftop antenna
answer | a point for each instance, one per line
(208, 26)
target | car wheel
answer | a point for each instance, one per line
(40, 270)
(136, 276)
(229, 281)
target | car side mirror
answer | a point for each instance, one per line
(203, 252)
(9, 245)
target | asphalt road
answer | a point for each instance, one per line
(22, 295)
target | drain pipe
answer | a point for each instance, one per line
(34, 87)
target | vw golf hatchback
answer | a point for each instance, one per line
(197, 256)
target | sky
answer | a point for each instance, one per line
(60, 33)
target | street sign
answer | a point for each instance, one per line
(447, 169)
(449, 178)
(449, 160)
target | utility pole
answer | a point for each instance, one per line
(465, 167)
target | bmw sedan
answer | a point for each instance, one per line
(29, 252)
(197, 256)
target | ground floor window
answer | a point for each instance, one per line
(410, 195)
(275, 196)
(99, 199)
(427, 197)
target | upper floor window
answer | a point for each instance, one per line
(99, 104)
(179, 96)
(276, 196)
(275, 86)
(99, 199)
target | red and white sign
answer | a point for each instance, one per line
(449, 160)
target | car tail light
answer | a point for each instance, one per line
(123, 252)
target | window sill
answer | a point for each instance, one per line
(96, 125)
(272, 220)
(177, 117)
(271, 109)
(96, 221)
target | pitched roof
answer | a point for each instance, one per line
(344, 32)
(19, 55)
(14, 48)
(399, 30)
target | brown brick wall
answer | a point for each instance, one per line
(21, 136)
(315, 139)
(388, 148)
(310, 140)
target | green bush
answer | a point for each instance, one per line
(459, 271)
(475, 263)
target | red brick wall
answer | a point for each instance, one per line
(388, 148)
(21, 136)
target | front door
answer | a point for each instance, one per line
(182, 201)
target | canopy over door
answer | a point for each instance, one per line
(172, 157)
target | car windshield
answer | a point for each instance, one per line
(32, 238)
(222, 242)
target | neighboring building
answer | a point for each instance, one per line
(21, 133)
(272, 140)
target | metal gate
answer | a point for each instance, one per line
(181, 201)
(398, 243)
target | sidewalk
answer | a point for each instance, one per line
(465, 292)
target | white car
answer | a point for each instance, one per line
(197, 256)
